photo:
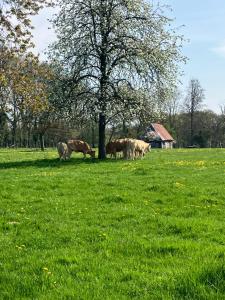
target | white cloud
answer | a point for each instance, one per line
(220, 50)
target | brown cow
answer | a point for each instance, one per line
(80, 146)
(115, 146)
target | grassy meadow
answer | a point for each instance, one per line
(115, 229)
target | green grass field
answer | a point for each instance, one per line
(83, 229)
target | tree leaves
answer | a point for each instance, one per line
(23, 82)
(15, 23)
(114, 45)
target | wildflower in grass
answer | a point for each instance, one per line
(129, 166)
(103, 236)
(200, 163)
(179, 185)
(19, 247)
(182, 163)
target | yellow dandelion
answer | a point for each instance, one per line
(45, 269)
(200, 163)
(179, 185)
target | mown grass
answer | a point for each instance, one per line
(83, 229)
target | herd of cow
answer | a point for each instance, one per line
(130, 148)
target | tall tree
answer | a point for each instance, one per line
(109, 46)
(193, 103)
(172, 107)
(25, 88)
(22, 78)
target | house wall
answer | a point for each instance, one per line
(156, 144)
(161, 144)
(167, 145)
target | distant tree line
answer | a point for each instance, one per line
(190, 124)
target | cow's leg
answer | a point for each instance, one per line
(69, 152)
(64, 155)
(125, 153)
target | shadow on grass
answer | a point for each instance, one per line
(52, 163)
(18, 150)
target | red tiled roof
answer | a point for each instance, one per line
(162, 132)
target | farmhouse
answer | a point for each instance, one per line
(157, 135)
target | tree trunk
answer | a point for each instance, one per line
(21, 137)
(14, 133)
(28, 137)
(42, 142)
(125, 131)
(192, 129)
(101, 142)
(14, 123)
(93, 134)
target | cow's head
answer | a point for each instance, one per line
(92, 153)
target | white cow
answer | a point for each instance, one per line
(137, 148)
(64, 151)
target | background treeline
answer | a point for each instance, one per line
(22, 127)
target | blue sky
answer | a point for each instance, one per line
(204, 22)
(204, 27)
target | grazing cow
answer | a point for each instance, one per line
(63, 150)
(141, 148)
(113, 147)
(136, 148)
(80, 146)
(131, 148)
